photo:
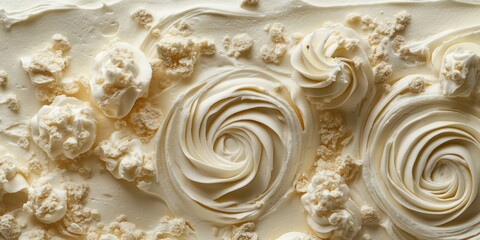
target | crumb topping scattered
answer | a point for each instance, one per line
(417, 85)
(241, 45)
(370, 216)
(245, 231)
(178, 51)
(174, 229)
(46, 68)
(3, 78)
(143, 17)
(9, 229)
(273, 52)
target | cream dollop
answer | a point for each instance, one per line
(332, 67)
(331, 213)
(458, 67)
(48, 203)
(13, 178)
(296, 236)
(421, 161)
(230, 146)
(121, 75)
(124, 157)
(65, 128)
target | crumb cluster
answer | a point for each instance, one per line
(273, 52)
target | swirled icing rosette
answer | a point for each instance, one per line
(458, 66)
(332, 67)
(421, 161)
(230, 146)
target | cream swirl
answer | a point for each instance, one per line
(230, 146)
(421, 161)
(332, 67)
(458, 67)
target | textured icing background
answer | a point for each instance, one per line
(230, 120)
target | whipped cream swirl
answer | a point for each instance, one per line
(332, 67)
(421, 161)
(230, 146)
(458, 67)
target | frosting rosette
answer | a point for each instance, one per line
(332, 67)
(421, 161)
(230, 146)
(458, 66)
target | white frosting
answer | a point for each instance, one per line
(421, 161)
(296, 236)
(125, 158)
(332, 67)
(230, 146)
(460, 69)
(65, 128)
(121, 75)
(185, 73)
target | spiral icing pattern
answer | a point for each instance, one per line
(332, 67)
(421, 154)
(230, 146)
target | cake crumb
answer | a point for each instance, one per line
(78, 217)
(34, 166)
(370, 216)
(178, 52)
(250, 3)
(397, 43)
(382, 72)
(241, 44)
(46, 68)
(59, 43)
(174, 229)
(383, 33)
(301, 183)
(156, 33)
(9, 228)
(119, 124)
(3, 78)
(366, 236)
(145, 120)
(37, 234)
(143, 18)
(23, 142)
(347, 166)
(417, 85)
(296, 37)
(12, 102)
(276, 32)
(121, 228)
(273, 53)
(245, 231)
(226, 42)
